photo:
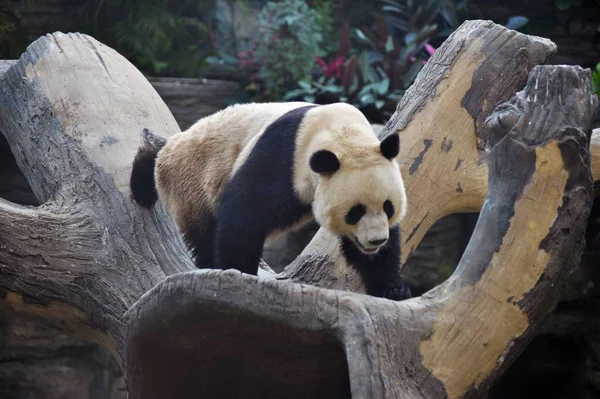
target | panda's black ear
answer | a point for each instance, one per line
(324, 162)
(390, 146)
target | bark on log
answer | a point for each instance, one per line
(71, 109)
(595, 151)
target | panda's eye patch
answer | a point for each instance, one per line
(388, 208)
(355, 213)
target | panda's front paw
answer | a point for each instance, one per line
(397, 293)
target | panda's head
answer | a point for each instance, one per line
(360, 196)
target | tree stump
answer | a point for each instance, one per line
(94, 265)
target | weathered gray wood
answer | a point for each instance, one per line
(5, 64)
(595, 152)
(205, 329)
(71, 110)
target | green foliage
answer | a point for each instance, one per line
(324, 19)
(13, 35)
(564, 5)
(426, 17)
(229, 37)
(160, 37)
(299, 53)
(596, 79)
(287, 39)
(376, 64)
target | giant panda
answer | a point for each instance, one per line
(250, 171)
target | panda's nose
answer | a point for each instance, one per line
(377, 242)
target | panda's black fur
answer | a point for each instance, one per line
(380, 272)
(259, 198)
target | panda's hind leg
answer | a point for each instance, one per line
(199, 236)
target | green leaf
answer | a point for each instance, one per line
(309, 99)
(361, 36)
(411, 74)
(304, 84)
(379, 104)
(410, 37)
(562, 5)
(159, 65)
(393, 8)
(382, 87)
(367, 99)
(334, 89)
(389, 44)
(294, 93)
(369, 74)
(213, 59)
(394, 3)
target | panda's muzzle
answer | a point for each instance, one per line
(378, 243)
(369, 250)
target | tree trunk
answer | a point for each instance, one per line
(595, 151)
(71, 109)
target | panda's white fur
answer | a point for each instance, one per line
(194, 167)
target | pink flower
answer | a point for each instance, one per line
(245, 59)
(430, 49)
(332, 68)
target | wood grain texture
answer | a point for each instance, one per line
(452, 342)
(71, 110)
(535, 212)
(595, 153)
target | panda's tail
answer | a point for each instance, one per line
(143, 188)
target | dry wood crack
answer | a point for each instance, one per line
(95, 265)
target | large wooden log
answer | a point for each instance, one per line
(205, 329)
(595, 151)
(71, 109)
